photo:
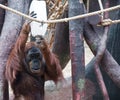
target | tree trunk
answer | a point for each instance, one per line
(114, 36)
(2, 14)
(76, 7)
(61, 41)
(111, 67)
(108, 61)
(9, 34)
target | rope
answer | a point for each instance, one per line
(115, 21)
(53, 8)
(88, 5)
(101, 7)
(60, 20)
(100, 4)
(107, 22)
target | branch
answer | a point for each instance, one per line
(110, 66)
(100, 52)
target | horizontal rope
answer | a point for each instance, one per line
(115, 21)
(60, 20)
(106, 22)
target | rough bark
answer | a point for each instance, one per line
(77, 49)
(10, 31)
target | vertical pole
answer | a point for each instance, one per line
(77, 49)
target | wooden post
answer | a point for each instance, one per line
(76, 49)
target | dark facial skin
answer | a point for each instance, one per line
(35, 61)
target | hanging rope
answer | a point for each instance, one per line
(100, 4)
(101, 7)
(64, 19)
(107, 22)
(88, 5)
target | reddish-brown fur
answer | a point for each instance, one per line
(23, 83)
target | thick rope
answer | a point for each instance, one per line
(100, 4)
(64, 19)
(88, 5)
(101, 7)
(115, 21)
